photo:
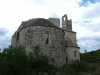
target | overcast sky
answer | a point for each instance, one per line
(85, 15)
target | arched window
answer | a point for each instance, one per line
(74, 53)
(66, 59)
(47, 39)
(17, 37)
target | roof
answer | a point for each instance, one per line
(37, 22)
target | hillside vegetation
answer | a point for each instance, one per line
(15, 61)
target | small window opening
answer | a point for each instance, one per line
(17, 37)
(74, 53)
(66, 59)
(47, 39)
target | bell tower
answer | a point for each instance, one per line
(66, 24)
(71, 47)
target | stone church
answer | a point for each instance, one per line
(59, 43)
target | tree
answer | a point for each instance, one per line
(13, 61)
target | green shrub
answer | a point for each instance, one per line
(13, 61)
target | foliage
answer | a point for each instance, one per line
(13, 61)
(39, 61)
(74, 68)
(88, 65)
(90, 57)
(92, 61)
(77, 66)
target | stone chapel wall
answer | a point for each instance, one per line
(51, 41)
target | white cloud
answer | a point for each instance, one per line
(15, 11)
(92, 11)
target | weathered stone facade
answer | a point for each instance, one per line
(58, 43)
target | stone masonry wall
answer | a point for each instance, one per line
(71, 35)
(51, 41)
(55, 21)
(14, 40)
(72, 53)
